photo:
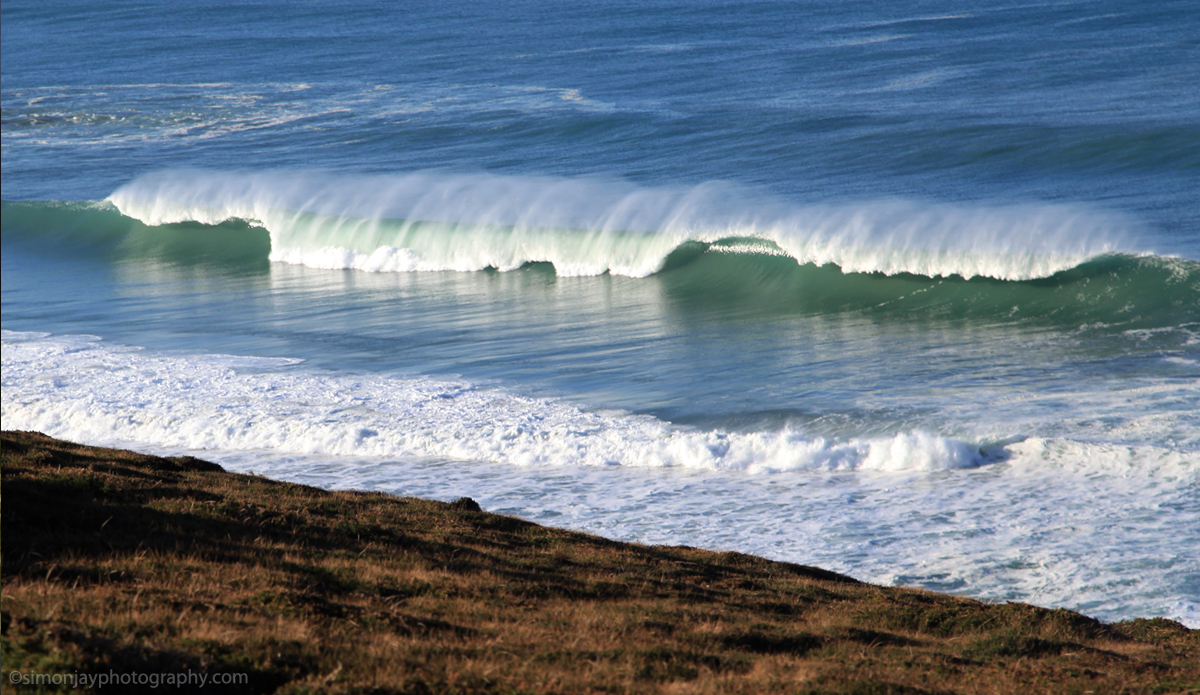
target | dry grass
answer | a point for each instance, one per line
(118, 561)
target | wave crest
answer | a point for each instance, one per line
(427, 221)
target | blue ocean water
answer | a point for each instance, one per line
(909, 291)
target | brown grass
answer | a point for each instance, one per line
(115, 561)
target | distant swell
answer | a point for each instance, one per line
(583, 227)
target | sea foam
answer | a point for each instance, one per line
(79, 387)
(1053, 521)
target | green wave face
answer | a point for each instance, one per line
(97, 229)
(1115, 290)
(735, 275)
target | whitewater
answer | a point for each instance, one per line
(1039, 518)
(904, 293)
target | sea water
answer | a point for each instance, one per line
(906, 291)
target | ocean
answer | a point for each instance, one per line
(907, 291)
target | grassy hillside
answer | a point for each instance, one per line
(119, 562)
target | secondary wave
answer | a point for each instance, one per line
(429, 221)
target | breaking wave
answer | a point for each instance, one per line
(427, 221)
(238, 224)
